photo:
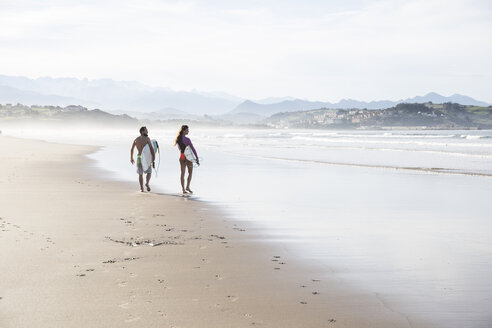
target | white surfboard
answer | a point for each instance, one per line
(147, 155)
(146, 158)
(190, 155)
(157, 152)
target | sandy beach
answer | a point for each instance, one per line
(80, 250)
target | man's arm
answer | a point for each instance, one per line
(131, 152)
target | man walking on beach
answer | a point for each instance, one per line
(140, 143)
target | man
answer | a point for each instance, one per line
(140, 143)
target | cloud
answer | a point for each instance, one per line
(317, 49)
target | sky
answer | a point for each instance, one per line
(317, 50)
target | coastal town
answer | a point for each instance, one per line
(418, 116)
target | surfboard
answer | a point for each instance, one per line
(147, 155)
(190, 155)
(146, 158)
(157, 152)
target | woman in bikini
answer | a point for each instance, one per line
(183, 141)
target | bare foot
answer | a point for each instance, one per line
(148, 188)
(141, 190)
(189, 190)
(184, 192)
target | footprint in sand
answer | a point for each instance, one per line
(122, 284)
(232, 298)
(124, 305)
(218, 277)
(132, 319)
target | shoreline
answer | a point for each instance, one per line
(68, 235)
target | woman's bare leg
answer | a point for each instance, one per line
(190, 174)
(183, 168)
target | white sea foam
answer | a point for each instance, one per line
(473, 137)
(231, 135)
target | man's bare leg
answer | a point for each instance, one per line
(148, 180)
(140, 179)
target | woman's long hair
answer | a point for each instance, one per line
(179, 138)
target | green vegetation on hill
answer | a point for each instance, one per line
(55, 114)
(419, 116)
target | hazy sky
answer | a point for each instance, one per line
(321, 50)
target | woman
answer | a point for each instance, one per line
(183, 141)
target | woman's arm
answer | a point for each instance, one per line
(188, 142)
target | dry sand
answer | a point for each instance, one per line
(75, 252)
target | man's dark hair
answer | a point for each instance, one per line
(142, 128)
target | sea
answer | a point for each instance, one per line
(404, 214)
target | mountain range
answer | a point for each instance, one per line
(144, 101)
(294, 105)
(109, 95)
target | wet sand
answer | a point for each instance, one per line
(82, 251)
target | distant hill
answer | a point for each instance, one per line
(265, 110)
(10, 95)
(73, 115)
(273, 100)
(109, 95)
(405, 115)
(438, 99)
(251, 107)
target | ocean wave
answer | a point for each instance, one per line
(423, 169)
(325, 134)
(232, 135)
(382, 136)
(394, 142)
(473, 136)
